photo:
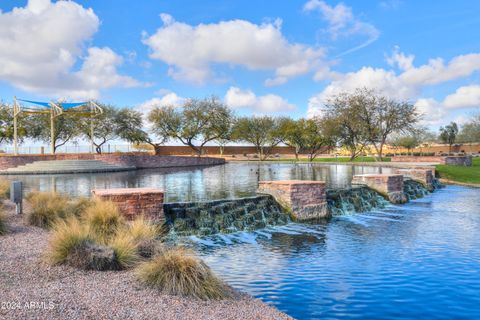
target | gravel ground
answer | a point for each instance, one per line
(32, 289)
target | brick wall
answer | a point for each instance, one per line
(451, 160)
(306, 200)
(134, 202)
(389, 185)
(139, 160)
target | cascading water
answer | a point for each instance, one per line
(352, 200)
(414, 189)
(223, 216)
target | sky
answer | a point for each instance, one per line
(260, 57)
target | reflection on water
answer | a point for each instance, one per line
(419, 260)
(231, 180)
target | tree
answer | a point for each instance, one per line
(195, 124)
(131, 128)
(408, 141)
(104, 127)
(343, 119)
(306, 135)
(293, 134)
(263, 132)
(6, 123)
(381, 116)
(448, 134)
(470, 131)
(66, 128)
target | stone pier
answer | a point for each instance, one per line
(423, 175)
(304, 200)
(389, 185)
(134, 202)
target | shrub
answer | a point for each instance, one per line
(4, 189)
(125, 250)
(176, 271)
(46, 208)
(67, 237)
(3, 224)
(78, 206)
(103, 220)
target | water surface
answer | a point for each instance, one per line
(416, 261)
(232, 180)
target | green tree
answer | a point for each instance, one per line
(264, 133)
(195, 124)
(448, 134)
(342, 116)
(66, 129)
(470, 131)
(293, 134)
(408, 141)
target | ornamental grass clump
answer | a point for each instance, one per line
(144, 234)
(46, 208)
(103, 220)
(4, 189)
(177, 271)
(3, 223)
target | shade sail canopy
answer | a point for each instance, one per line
(61, 104)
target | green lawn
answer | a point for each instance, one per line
(460, 173)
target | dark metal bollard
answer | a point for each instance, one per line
(16, 195)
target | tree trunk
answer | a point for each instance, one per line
(98, 149)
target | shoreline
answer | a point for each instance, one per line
(31, 288)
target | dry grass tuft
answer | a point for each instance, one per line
(177, 271)
(3, 223)
(47, 208)
(103, 220)
(4, 189)
(67, 236)
(125, 249)
(78, 206)
(144, 234)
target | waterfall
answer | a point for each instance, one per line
(414, 189)
(223, 216)
(355, 199)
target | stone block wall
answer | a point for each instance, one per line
(424, 176)
(450, 160)
(389, 185)
(138, 160)
(134, 202)
(305, 200)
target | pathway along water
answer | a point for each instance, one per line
(418, 260)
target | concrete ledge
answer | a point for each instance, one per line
(305, 200)
(389, 185)
(134, 202)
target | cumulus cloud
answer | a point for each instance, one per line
(464, 97)
(342, 22)
(40, 44)
(408, 83)
(168, 99)
(237, 98)
(190, 51)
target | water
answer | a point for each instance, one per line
(232, 180)
(418, 260)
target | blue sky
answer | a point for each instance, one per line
(261, 57)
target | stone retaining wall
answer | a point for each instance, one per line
(134, 202)
(389, 185)
(138, 160)
(223, 216)
(451, 160)
(305, 200)
(424, 176)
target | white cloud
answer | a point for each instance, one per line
(408, 83)
(432, 111)
(169, 99)
(343, 23)
(190, 51)
(41, 43)
(237, 98)
(464, 97)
